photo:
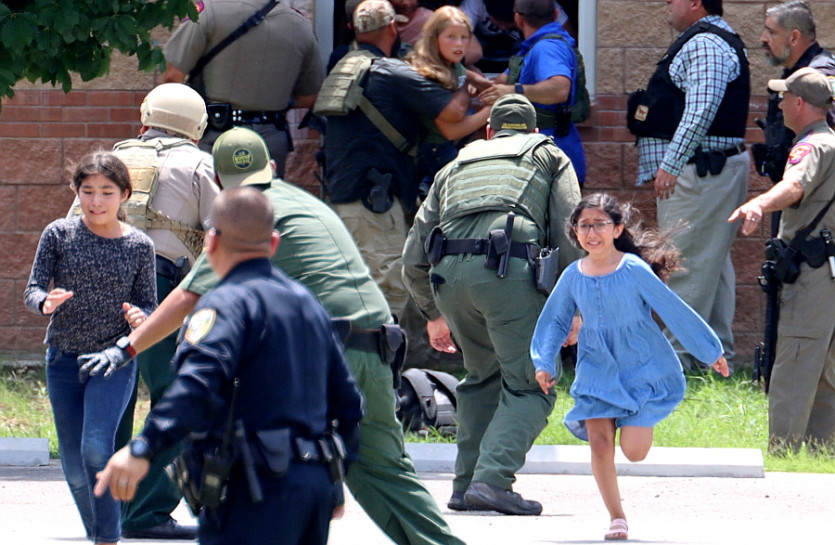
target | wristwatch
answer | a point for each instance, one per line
(139, 448)
(124, 344)
(520, 89)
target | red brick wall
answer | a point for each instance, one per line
(612, 162)
(41, 133)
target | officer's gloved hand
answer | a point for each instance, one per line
(108, 360)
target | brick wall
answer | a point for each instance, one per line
(632, 35)
(42, 131)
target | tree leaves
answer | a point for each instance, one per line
(47, 40)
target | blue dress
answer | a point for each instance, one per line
(626, 368)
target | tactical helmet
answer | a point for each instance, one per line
(176, 107)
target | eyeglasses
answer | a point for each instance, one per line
(598, 226)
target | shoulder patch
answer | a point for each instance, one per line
(199, 325)
(798, 152)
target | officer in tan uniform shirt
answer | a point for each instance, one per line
(801, 404)
(173, 119)
(273, 67)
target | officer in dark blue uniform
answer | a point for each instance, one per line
(260, 379)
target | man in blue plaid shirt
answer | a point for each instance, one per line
(690, 124)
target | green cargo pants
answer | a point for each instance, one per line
(383, 479)
(501, 409)
(157, 496)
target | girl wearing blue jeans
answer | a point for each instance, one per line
(93, 275)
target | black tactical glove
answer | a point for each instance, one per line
(108, 360)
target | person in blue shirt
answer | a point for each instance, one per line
(545, 71)
(259, 348)
(627, 375)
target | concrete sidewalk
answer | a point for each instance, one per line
(36, 508)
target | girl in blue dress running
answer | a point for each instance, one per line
(628, 376)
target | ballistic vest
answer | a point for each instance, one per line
(341, 92)
(498, 175)
(667, 100)
(142, 160)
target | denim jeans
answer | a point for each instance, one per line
(86, 417)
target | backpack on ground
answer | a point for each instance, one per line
(427, 399)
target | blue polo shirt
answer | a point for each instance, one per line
(545, 59)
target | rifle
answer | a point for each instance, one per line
(765, 351)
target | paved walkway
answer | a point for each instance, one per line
(36, 508)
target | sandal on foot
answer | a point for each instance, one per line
(618, 531)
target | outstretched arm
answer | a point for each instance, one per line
(168, 316)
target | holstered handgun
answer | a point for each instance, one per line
(333, 452)
(562, 121)
(379, 198)
(393, 350)
(182, 472)
(546, 268)
(709, 161)
(783, 259)
(435, 245)
(498, 252)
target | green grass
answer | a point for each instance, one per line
(25, 410)
(716, 412)
(24, 406)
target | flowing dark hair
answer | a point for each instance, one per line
(651, 245)
(106, 164)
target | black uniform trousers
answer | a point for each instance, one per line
(296, 510)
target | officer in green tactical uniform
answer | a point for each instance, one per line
(174, 188)
(481, 292)
(317, 250)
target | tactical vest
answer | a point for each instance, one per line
(500, 175)
(662, 105)
(142, 160)
(342, 92)
(579, 104)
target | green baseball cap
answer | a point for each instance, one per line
(513, 112)
(242, 158)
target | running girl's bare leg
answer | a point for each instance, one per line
(602, 441)
(635, 442)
